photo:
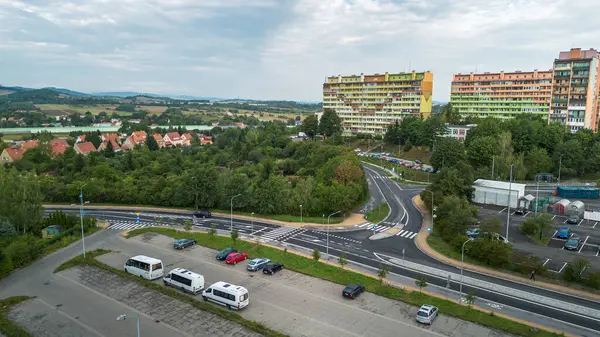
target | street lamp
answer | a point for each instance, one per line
(231, 214)
(124, 317)
(509, 197)
(328, 231)
(431, 209)
(301, 223)
(81, 217)
(252, 219)
(462, 266)
(537, 190)
(559, 167)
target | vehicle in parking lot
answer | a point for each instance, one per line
(573, 220)
(563, 233)
(185, 280)
(229, 295)
(573, 243)
(473, 233)
(222, 255)
(203, 214)
(257, 263)
(353, 290)
(418, 161)
(183, 243)
(427, 313)
(144, 266)
(236, 257)
(272, 267)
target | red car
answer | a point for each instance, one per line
(234, 258)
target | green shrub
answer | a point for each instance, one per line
(491, 252)
(23, 251)
(529, 227)
(6, 265)
(593, 280)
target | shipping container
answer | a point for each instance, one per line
(578, 192)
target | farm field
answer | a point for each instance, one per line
(82, 109)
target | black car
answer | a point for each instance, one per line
(183, 243)
(203, 214)
(222, 255)
(272, 267)
(353, 290)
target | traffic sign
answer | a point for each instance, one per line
(83, 212)
(137, 219)
(80, 196)
(429, 229)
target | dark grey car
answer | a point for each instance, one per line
(257, 264)
(573, 244)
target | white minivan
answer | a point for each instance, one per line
(144, 266)
(185, 280)
(229, 295)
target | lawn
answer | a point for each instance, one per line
(333, 273)
(7, 327)
(377, 214)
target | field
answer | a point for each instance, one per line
(82, 109)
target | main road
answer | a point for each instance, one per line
(569, 313)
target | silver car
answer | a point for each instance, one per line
(427, 313)
(258, 263)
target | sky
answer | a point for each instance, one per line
(278, 49)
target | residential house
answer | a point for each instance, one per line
(85, 148)
(111, 137)
(114, 143)
(159, 140)
(215, 123)
(240, 125)
(80, 139)
(204, 140)
(136, 138)
(58, 115)
(173, 139)
(458, 132)
(135, 121)
(187, 139)
(11, 154)
(58, 146)
(29, 144)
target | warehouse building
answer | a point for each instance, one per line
(493, 192)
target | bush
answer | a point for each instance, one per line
(525, 264)
(529, 227)
(6, 265)
(23, 251)
(491, 252)
(593, 280)
(574, 270)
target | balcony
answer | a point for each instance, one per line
(581, 65)
(579, 84)
(576, 107)
(562, 74)
(559, 100)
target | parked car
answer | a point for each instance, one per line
(222, 255)
(573, 243)
(258, 263)
(353, 290)
(183, 243)
(473, 233)
(236, 257)
(427, 313)
(203, 214)
(272, 267)
(418, 161)
(563, 233)
(573, 220)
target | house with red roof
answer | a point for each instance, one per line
(187, 139)
(85, 148)
(111, 137)
(173, 139)
(58, 146)
(240, 125)
(80, 139)
(136, 138)
(204, 140)
(30, 144)
(11, 154)
(159, 140)
(114, 144)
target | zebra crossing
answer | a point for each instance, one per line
(282, 234)
(373, 227)
(127, 225)
(407, 234)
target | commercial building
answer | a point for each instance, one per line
(367, 104)
(458, 132)
(575, 90)
(493, 192)
(502, 95)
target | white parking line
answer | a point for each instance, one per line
(543, 265)
(579, 224)
(565, 221)
(554, 235)
(513, 213)
(598, 252)
(526, 214)
(586, 238)
(553, 217)
(563, 267)
(594, 226)
(582, 270)
(504, 209)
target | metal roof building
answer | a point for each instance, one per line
(496, 192)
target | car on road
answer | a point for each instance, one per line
(203, 214)
(183, 243)
(427, 313)
(257, 263)
(574, 243)
(236, 257)
(272, 267)
(563, 233)
(222, 255)
(353, 290)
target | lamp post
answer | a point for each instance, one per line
(537, 201)
(124, 317)
(509, 197)
(559, 167)
(231, 214)
(462, 266)
(431, 209)
(252, 219)
(328, 232)
(301, 223)
(81, 217)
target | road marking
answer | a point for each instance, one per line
(504, 209)
(598, 252)
(586, 238)
(526, 214)
(365, 224)
(413, 235)
(594, 226)
(553, 217)
(565, 220)
(582, 270)
(543, 265)
(563, 267)
(554, 235)
(513, 213)
(405, 234)
(579, 224)
(402, 231)
(260, 230)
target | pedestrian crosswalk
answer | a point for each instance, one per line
(282, 234)
(407, 234)
(373, 227)
(121, 225)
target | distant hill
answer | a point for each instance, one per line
(33, 95)
(4, 90)
(69, 92)
(129, 94)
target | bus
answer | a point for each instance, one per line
(144, 266)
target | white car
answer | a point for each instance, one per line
(427, 313)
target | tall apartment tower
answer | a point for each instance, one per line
(502, 95)
(367, 104)
(575, 90)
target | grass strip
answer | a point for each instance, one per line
(8, 327)
(90, 260)
(325, 271)
(377, 214)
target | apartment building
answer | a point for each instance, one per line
(575, 90)
(367, 104)
(502, 95)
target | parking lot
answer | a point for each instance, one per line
(554, 257)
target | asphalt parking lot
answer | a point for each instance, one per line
(554, 257)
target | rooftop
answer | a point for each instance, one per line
(502, 185)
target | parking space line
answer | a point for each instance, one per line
(504, 209)
(563, 267)
(582, 270)
(554, 235)
(565, 221)
(598, 252)
(526, 214)
(543, 265)
(553, 217)
(594, 226)
(513, 213)
(579, 224)
(586, 238)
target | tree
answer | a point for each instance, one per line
(447, 152)
(109, 151)
(212, 233)
(407, 146)
(482, 150)
(234, 236)
(538, 161)
(342, 259)
(187, 225)
(329, 124)
(310, 126)
(7, 229)
(574, 270)
(316, 255)
(450, 114)
(491, 225)
(151, 142)
(421, 282)
(544, 223)
(470, 299)
(382, 273)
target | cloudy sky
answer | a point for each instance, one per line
(278, 49)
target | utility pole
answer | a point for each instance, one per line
(559, 167)
(81, 217)
(509, 197)
(493, 163)
(231, 214)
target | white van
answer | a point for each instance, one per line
(229, 295)
(185, 280)
(144, 266)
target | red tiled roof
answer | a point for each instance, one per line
(111, 136)
(58, 148)
(139, 137)
(59, 141)
(186, 136)
(30, 144)
(86, 147)
(174, 136)
(157, 137)
(15, 153)
(114, 144)
(82, 137)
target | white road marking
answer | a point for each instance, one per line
(400, 232)
(553, 217)
(260, 230)
(405, 234)
(565, 221)
(526, 214)
(563, 267)
(579, 224)
(413, 235)
(543, 265)
(504, 209)
(594, 226)
(586, 238)
(554, 235)
(365, 224)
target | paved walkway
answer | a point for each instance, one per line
(421, 242)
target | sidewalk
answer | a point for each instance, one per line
(421, 242)
(349, 222)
